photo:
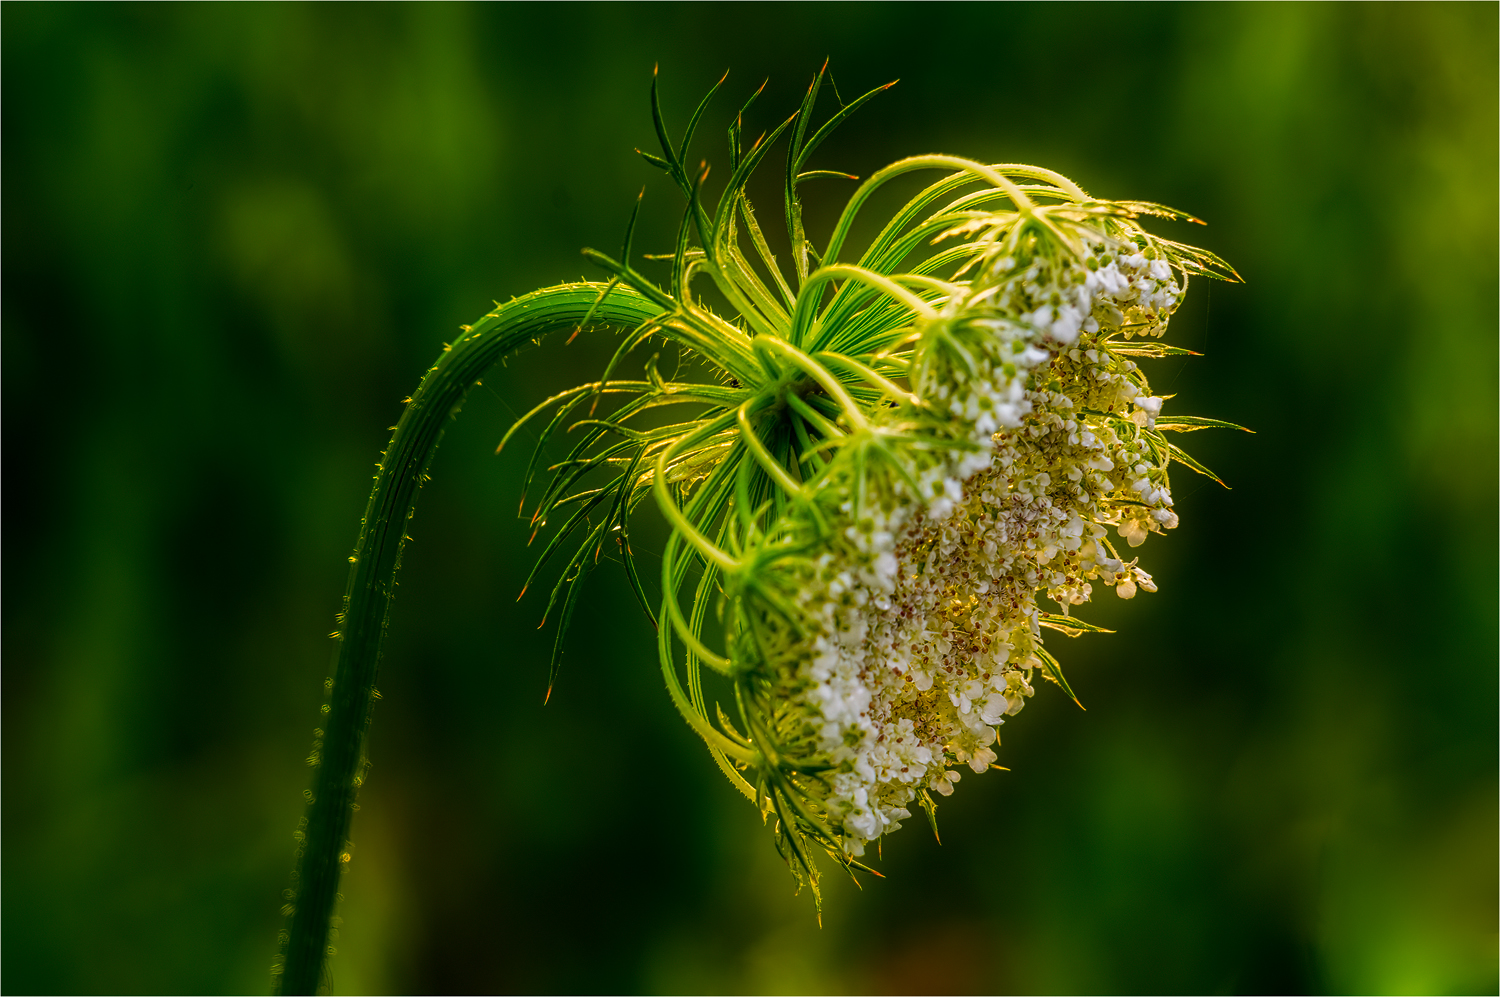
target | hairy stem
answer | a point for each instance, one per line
(323, 840)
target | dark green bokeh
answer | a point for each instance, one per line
(235, 235)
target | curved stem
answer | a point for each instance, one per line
(377, 556)
(818, 373)
(807, 301)
(815, 419)
(695, 720)
(690, 640)
(675, 517)
(806, 312)
(1017, 196)
(764, 457)
(1037, 172)
(885, 384)
(723, 344)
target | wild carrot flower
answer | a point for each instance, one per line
(894, 456)
(911, 450)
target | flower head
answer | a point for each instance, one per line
(911, 469)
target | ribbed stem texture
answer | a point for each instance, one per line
(339, 758)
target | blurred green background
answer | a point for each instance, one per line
(234, 236)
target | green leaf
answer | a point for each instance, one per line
(681, 271)
(758, 239)
(656, 161)
(628, 557)
(515, 426)
(737, 126)
(629, 233)
(1143, 348)
(620, 429)
(1053, 671)
(577, 563)
(1198, 261)
(794, 228)
(619, 513)
(1133, 208)
(575, 588)
(613, 283)
(569, 471)
(828, 127)
(635, 338)
(1181, 457)
(673, 165)
(729, 727)
(1070, 625)
(742, 173)
(557, 540)
(1193, 423)
(539, 451)
(687, 138)
(804, 115)
(929, 806)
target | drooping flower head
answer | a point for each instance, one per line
(908, 466)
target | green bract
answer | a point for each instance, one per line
(899, 447)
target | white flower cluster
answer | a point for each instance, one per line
(927, 628)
